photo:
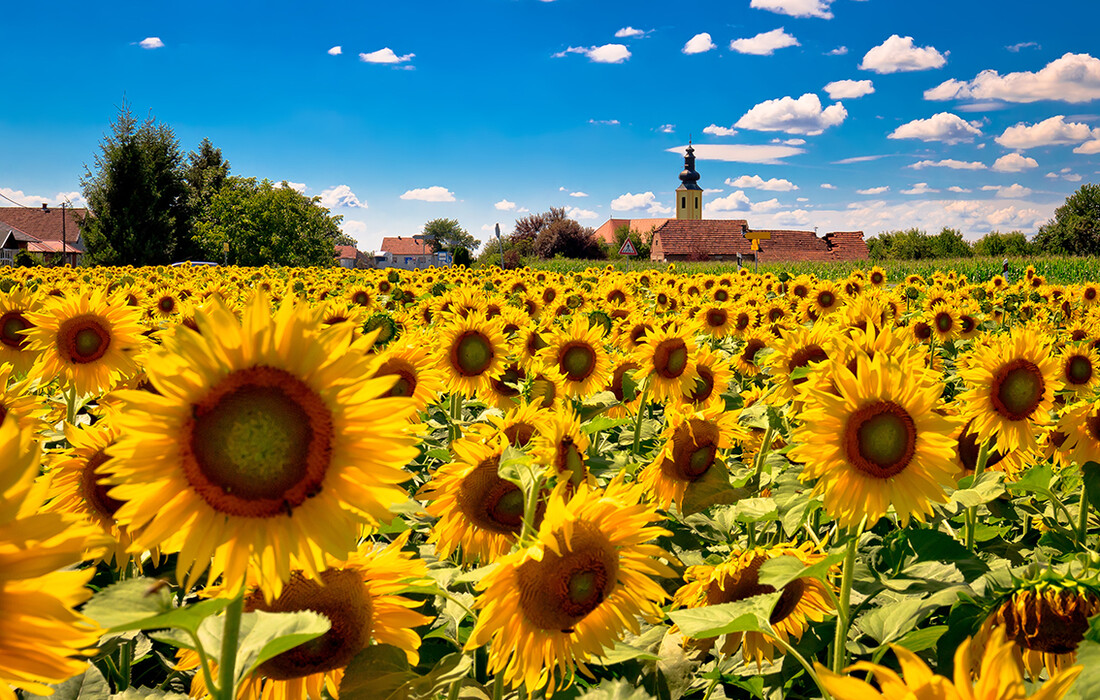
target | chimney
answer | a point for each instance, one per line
(45, 208)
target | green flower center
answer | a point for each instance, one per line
(1017, 389)
(472, 354)
(578, 361)
(12, 325)
(880, 439)
(1078, 370)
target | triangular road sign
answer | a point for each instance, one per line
(627, 248)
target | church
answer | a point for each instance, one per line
(691, 237)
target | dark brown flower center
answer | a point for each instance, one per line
(670, 358)
(406, 377)
(880, 439)
(716, 318)
(83, 339)
(1017, 389)
(490, 502)
(95, 491)
(804, 356)
(471, 353)
(1078, 370)
(577, 361)
(12, 325)
(968, 449)
(559, 591)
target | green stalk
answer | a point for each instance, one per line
(530, 507)
(758, 464)
(787, 648)
(641, 410)
(70, 405)
(126, 658)
(845, 599)
(972, 511)
(1083, 515)
(456, 415)
(498, 685)
(230, 635)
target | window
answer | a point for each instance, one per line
(683, 202)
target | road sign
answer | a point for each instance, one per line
(758, 235)
(755, 243)
(627, 248)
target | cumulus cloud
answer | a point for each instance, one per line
(1014, 163)
(608, 53)
(298, 187)
(956, 188)
(1089, 147)
(765, 43)
(627, 32)
(897, 54)
(435, 193)
(385, 55)
(505, 205)
(874, 190)
(1014, 191)
(1075, 77)
(735, 201)
(758, 183)
(666, 128)
(335, 51)
(945, 127)
(765, 206)
(838, 51)
(849, 89)
(578, 193)
(796, 8)
(786, 114)
(827, 186)
(1055, 131)
(741, 153)
(700, 43)
(151, 42)
(642, 200)
(34, 200)
(587, 214)
(920, 188)
(948, 163)
(341, 196)
(715, 130)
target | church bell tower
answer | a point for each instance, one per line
(689, 196)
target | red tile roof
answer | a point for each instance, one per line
(404, 245)
(346, 252)
(45, 225)
(606, 231)
(726, 237)
(701, 237)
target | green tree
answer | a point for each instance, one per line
(642, 241)
(137, 195)
(567, 238)
(266, 224)
(997, 244)
(205, 174)
(949, 243)
(1075, 228)
(448, 235)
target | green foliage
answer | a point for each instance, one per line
(915, 244)
(642, 241)
(567, 238)
(137, 195)
(265, 224)
(996, 243)
(1075, 228)
(447, 234)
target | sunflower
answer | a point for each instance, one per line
(471, 351)
(17, 400)
(562, 446)
(546, 390)
(666, 358)
(715, 319)
(826, 297)
(714, 375)
(362, 599)
(878, 442)
(578, 356)
(944, 322)
(1047, 617)
(802, 601)
(877, 277)
(416, 373)
(967, 451)
(1079, 369)
(42, 637)
(269, 437)
(1080, 426)
(547, 608)
(796, 349)
(1011, 383)
(477, 509)
(87, 341)
(15, 309)
(162, 303)
(745, 357)
(518, 426)
(1000, 676)
(693, 439)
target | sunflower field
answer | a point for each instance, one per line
(278, 484)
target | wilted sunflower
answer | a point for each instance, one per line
(15, 309)
(577, 354)
(470, 352)
(1011, 382)
(416, 373)
(802, 601)
(478, 511)
(1000, 676)
(665, 362)
(878, 442)
(546, 608)
(1047, 617)
(269, 436)
(87, 341)
(42, 637)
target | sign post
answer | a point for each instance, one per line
(756, 237)
(627, 248)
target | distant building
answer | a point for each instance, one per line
(42, 231)
(409, 253)
(352, 258)
(691, 237)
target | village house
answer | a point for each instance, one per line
(409, 253)
(48, 232)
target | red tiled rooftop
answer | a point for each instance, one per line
(404, 245)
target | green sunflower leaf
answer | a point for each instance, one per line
(779, 571)
(265, 635)
(748, 615)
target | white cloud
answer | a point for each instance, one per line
(897, 54)
(946, 127)
(578, 193)
(582, 214)
(642, 200)
(505, 205)
(735, 201)
(336, 51)
(1054, 131)
(1015, 48)
(1066, 174)
(357, 230)
(857, 159)
(796, 8)
(849, 89)
(765, 43)
(874, 190)
(151, 42)
(1089, 147)
(700, 43)
(385, 55)
(801, 116)
(920, 188)
(838, 51)
(299, 187)
(435, 193)
(341, 196)
(1075, 77)
(627, 32)
(33, 200)
(956, 188)
(802, 199)
(666, 128)
(715, 130)
(608, 53)
(604, 122)
(1014, 163)
(765, 206)
(827, 186)
(948, 163)
(794, 142)
(1014, 191)
(741, 153)
(758, 183)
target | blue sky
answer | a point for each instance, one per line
(836, 114)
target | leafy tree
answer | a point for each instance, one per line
(949, 243)
(205, 174)
(567, 238)
(997, 244)
(1075, 228)
(447, 234)
(265, 224)
(137, 195)
(641, 240)
(529, 227)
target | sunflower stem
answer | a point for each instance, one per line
(530, 508)
(641, 412)
(230, 634)
(1083, 514)
(125, 658)
(498, 685)
(456, 415)
(70, 405)
(787, 648)
(758, 465)
(844, 602)
(972, 511)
